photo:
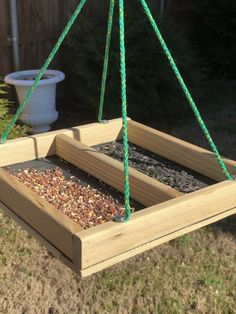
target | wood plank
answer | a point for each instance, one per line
(55, 252)
(99, 133)
(42, 145)
(46, 19)
(38, 213)
(191, 156)
(111, 239)
(150, 245)
(144, 189)
(29, 148)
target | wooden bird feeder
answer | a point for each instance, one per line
(168, 213)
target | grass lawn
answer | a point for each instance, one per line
(193, 274)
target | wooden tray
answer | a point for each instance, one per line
(168, 213)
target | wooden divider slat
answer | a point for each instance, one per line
(191, 156)
(143, 189)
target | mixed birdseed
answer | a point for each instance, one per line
(83, 204)
(157, 167)
(91, 206)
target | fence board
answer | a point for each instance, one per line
(40, 23)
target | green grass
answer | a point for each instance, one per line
(193, 274)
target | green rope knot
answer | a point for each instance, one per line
(119, 218)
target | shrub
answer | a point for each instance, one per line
(5, 116)
(4, 103)
(213, 34)
(152, 89)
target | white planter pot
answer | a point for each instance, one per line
(41, 111)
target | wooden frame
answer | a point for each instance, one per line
(168, 215)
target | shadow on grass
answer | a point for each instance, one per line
(227, 225)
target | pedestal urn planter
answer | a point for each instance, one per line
(41, 111)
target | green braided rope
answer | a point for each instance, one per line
(8, 129)
(106, 60)
(185, 89)
(124, 110)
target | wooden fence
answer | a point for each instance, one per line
(40, 23)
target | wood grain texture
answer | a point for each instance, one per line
(182, 214)
(191, 156)
(98, 133)
(144, 189)
(149, 245)
(39, 23)
(43, 17)
(55, 227)
(42, 145)
(29, 148)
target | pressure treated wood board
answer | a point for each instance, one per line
(191, 156)
(143, 189)
(42, 145)
(171, 218)
(75, 264)
(152, 244)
